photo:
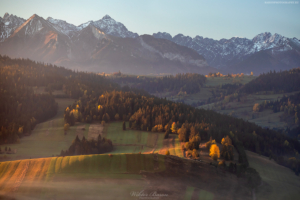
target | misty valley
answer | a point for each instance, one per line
(96, 111)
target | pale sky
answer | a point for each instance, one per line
(208, 18)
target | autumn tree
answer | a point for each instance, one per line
(174, 128)
(66, 127)
(227, 148)
(167, 152)
(195, 153)
(214, 152)
(256, 107)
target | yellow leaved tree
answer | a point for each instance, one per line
(214, 152)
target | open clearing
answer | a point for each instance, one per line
(116, 177)
(102, 175)
(217, 81)
(205, 91)
(47, 138)
(134, 141)
(278, 182)
(244, 109)
(94, 131)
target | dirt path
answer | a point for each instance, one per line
(94, 131)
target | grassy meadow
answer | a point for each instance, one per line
(102, 175)
(48, 138)
(278, 182)
(205, 92)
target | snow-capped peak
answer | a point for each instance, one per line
(112, 27)
(82, 26)
(10, 24)
(64, 27)
(107, 24)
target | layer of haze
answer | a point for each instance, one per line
(213, 19)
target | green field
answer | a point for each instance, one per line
(135, 141)
(205, 91)
(47, 138)
(244, 109)
(278, 182)
(102, 175)
(217, 81)
(192, 192)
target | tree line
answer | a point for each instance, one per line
(277, 82)
(20, 108)
(189, 83)
(287, 104)
(85, 147)
(146, 113)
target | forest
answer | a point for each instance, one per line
(21, 109)
(290, 105)
(100, 99)
(85, 147)
(146, 113)
(188, 83)
(277, 82)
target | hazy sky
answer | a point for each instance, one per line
(210, 18)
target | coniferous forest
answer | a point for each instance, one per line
(153, 114)
(283, 81)
(99, 99)
(189, 83)
(21, 109)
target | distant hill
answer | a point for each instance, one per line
(284, 81)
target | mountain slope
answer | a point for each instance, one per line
(63, 26)
(36, 39)
(228, 53)
(97, 51)
(260, 62)
(8, 24)
(91, 49)
(107, 24)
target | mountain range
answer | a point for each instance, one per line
(107, 46)
(99, 46)
(263, 53)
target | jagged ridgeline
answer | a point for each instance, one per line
(284, 81)
(189, 83)
(144, 113)
(21, 109)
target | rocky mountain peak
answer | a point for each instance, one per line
(9, 24)
(6, 15)
(162, 35)
(262, 37)
(106, 17)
